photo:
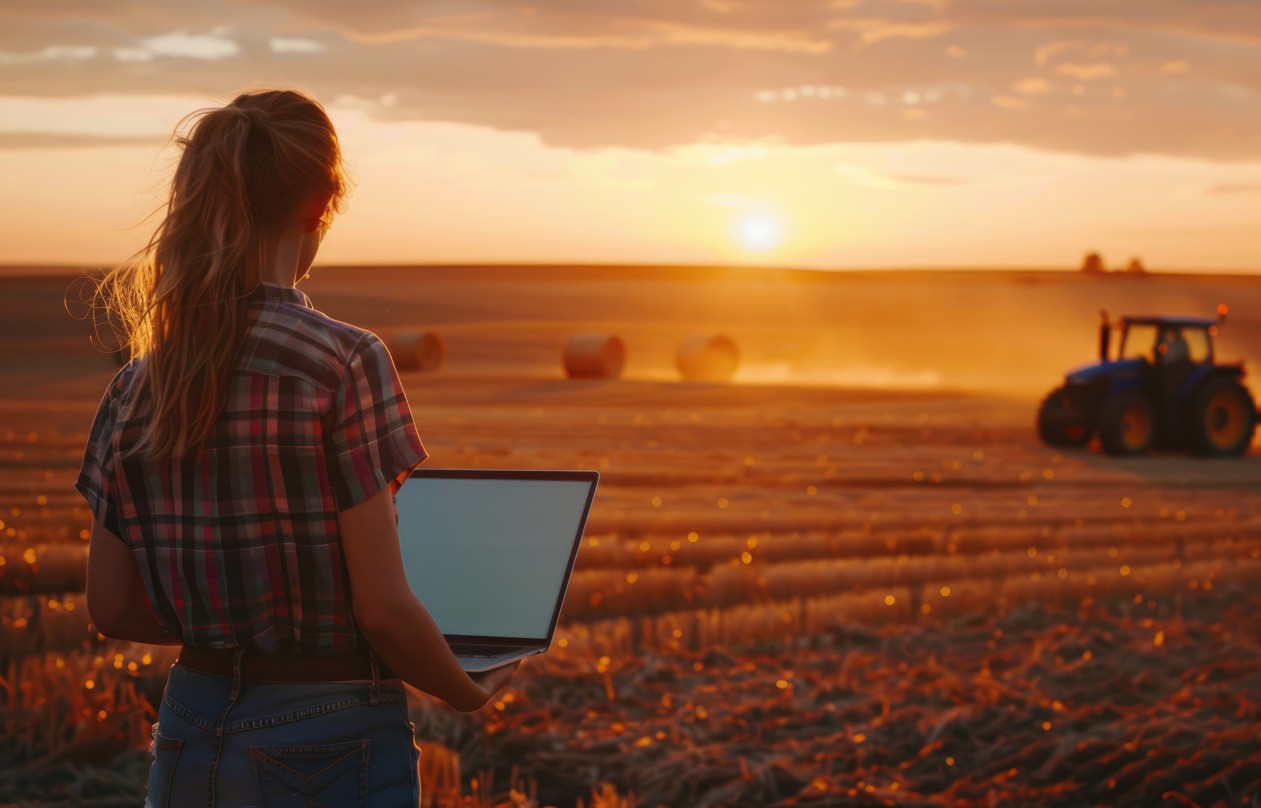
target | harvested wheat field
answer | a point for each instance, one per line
(851, 575)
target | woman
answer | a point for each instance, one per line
(241, 472)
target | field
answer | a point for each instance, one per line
(852, 576)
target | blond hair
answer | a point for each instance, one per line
(248, 170)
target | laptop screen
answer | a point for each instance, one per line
(488, 557)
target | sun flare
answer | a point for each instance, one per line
(759, 232)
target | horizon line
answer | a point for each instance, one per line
(53, 267)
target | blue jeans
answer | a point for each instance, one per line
(226, 741)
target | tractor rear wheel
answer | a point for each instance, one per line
(1127, 425)
(1060, 424)
(1221, 419)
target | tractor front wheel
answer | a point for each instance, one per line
(1222, 419)
(1059, 423)
(1127, 425)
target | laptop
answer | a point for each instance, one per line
(490, 552)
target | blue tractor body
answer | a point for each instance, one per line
(1164, 388)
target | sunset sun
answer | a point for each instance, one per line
(759, 232)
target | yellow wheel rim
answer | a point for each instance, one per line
(1136, 427)
(1226, 419)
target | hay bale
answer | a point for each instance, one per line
(594, 355)
(707, 358)
(421, 351)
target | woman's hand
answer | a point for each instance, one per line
(492, 681)
(397, 625)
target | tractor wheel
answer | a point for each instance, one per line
(1060, 424)
(1221, 419)
(1127, 425)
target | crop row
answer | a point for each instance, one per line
(601, 593)
(39, 568)
(791, 618)
(704, 550)
(59, 565)
(33, 624)
(801, 619)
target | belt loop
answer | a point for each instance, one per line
(374, 693)
(237, 654)
(237, 663)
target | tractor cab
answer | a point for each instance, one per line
(1177, 350)
(1165, 339)
(1164, 387)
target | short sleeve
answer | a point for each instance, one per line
(96, 477)
(373, 441)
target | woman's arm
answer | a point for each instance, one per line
(397, 626)
(117, 602)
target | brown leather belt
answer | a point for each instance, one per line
(282, 667)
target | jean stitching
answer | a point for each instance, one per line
(221, 723)
(303, 713)
(272, 756)
(363, 772)
(188, 715)
(166, 745)
(283, 718)
(276, 752)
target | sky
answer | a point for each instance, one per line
(812, 133)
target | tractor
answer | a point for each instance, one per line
(1164, 390)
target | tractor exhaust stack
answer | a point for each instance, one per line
(1105, 335)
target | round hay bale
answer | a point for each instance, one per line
(594, 355)
(707, 358)
(424, 351)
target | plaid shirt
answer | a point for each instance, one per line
(238, 544)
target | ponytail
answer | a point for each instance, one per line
(183, 301)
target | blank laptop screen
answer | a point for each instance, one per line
(488, 557)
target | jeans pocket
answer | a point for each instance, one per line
(301, 776)
(166, 754)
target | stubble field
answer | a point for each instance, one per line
(850, 577)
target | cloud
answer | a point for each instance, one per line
(892, 180)
(794, 26)
(1235, 188)
(928, 179)
(1035, 85)
(1100, 77)
(293, 45)
(1099, 70)
(65, 140)
(51, 53)
(1238, 20)
(209, 46)
(873, 30)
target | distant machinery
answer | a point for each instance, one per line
(1164, 389)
